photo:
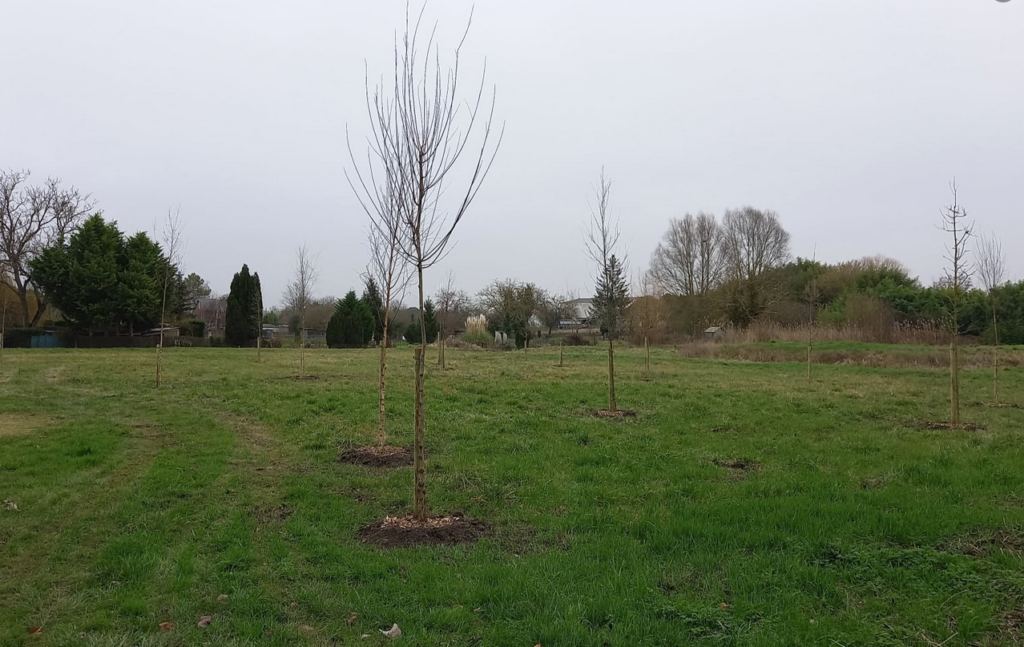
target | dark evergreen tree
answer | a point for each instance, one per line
(351, 325)
(412, 333)
(256, 304)
(430, 321)
(611, 299)
(81, 278)
(241, 321)
(139, 274)
(375, 302)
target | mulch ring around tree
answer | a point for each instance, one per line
(948, 426)
(618, 414)
(377, 456)
(401, 532)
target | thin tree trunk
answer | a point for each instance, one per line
(810, 332)
(419, 511)
(3, 326)
(954, 382)
(611, 377)
(647, 357)
(159, 356)
(995, 356)
(302, 345)
(382, 437)
(561, 352)
(259, 346)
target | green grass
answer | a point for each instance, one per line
(138, 506)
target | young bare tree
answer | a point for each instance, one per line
(420, 130)
(388, 269)
(298, 296)
(174, 248)
(649, 314)
(31, 219)
(991, 266)
(451, 302)
(958, 273)
(611, 298)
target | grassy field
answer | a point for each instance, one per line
(741, 507)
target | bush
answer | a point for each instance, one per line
(575, 339)
(216, 342)
(478, 337)
(20, 337)
(192, 328)
(352, 324)
(412, 334)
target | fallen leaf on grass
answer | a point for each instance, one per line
(35, 630)
(308, 629)
(204, 621)
(726, 605)
(352, 617)
(11, 505)
(222, 597)
(166, 626)
(364, 636)
(269, 632)
(393, 632)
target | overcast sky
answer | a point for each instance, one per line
(847, 118)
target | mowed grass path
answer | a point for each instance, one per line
(852, 525)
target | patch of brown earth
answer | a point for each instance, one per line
(376, 456)
(741, 464)
(617, 414)
(948, 426)
(1003, 405)
(737, 468)
(271, 515)
(401, 532)
(17, 424)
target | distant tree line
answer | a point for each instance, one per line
(739, 271)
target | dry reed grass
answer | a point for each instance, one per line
(936, 357)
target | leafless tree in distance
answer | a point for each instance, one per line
(991, 266)
(420, 131)
(31, 219)
(688, 261)
(958, 273)
(174, 248)
(298, 295)
(450, 302)
(754, 242)
(388, 269)
(649, 314)
(601, 241)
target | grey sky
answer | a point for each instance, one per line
(848, 118)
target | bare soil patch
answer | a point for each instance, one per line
(737, 467)
(18, 424)
(741, 464)
(948, 426)
(617, 414)
(401, 532)
(1003, 405)
(375, 456)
